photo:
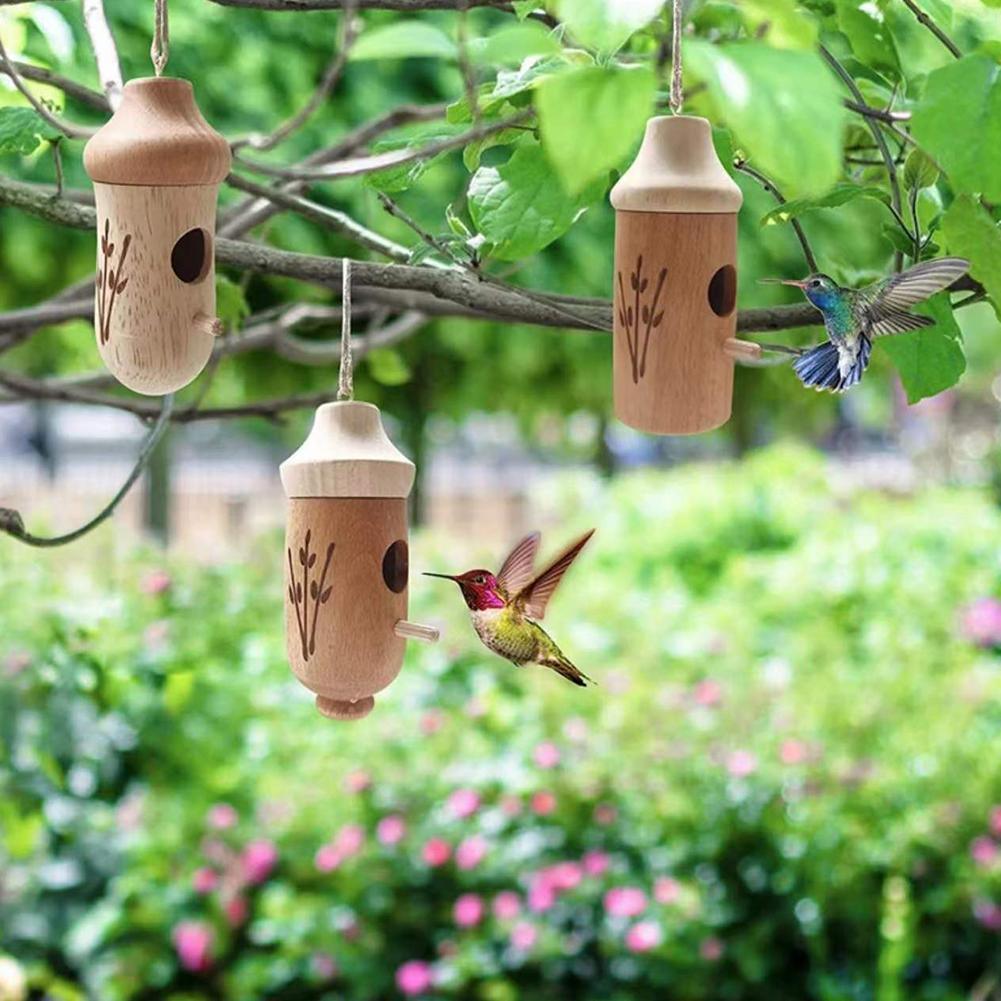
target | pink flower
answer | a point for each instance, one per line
(595, 863)
(541, 895)
(547, 755)
(205, 880)
(222, 816)
(643, 936)
(575, 729)
(510, 806)
(463, 803)
(390, 830)
(324, 966)
(436, 852)
(414, 977)
(708, 693)
(625, 901)
(523, 936)
(236, 910)
(565, 875)
(357, 781)
(431, 721)
(984, 851)
(792, 752)
(327, 858)
(468, 910)
(711, 949)
(981, 622)
(155, 582)
(259, 860)
(988, 914)
(995, 820)
(605, 814)
(741, 763)
(507, 905)
(470, 852)
(349, 840)
(666, 890)
(193, 942)
(543, 803)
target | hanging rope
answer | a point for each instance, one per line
(677, 93)
(345, 384)
(159, 51)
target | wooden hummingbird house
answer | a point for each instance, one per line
(675, 282)
(346, 563)
(156, 167)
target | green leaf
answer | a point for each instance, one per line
(869, 36)
(513, 44)
(387, 367)
(931, 359)
(522, 8)
(783, 107)
(605, 26)
(591, 119)
(958, 121)
(971, 233)
(177, 690)
(512, 83)
(474, 151)
(231, 304)
(782, 23)
(23, 129)
(402, 176)
(403, 40)
(919, 170)
(519, 209)
(840, 194)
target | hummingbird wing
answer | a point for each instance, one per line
(534, 596)
(520, 565)
(915, 284)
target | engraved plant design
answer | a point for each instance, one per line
(111, 281)
(307, 595)
(641, 317)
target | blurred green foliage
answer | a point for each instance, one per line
(785, 786)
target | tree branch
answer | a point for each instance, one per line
(12, 523)
(102, 43)
(404, 6)
(811, 260)
(890, 117)
(350, 25)
(77, 91)
(933, 28)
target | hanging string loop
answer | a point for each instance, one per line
(677, 93)
(345, 382)
(159, 51)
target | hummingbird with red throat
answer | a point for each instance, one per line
(506, 607)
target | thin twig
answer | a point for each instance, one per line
(466, 66)
(933, 28)
(879, 114)
(12, 523)
(77, 91)
(769, 186)
(350, 25)
(68, 129)
(102, 44)
(382, 161)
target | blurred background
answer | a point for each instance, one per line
(786, 783)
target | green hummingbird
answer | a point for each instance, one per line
(505, 607)
(853, 317)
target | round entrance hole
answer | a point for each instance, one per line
(396, 566)
(723, 290)
(190, 257)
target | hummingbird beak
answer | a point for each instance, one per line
(443, 576)
(782, 281)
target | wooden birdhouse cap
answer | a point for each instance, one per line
(347, 453)
(157, 137)
(676, 170)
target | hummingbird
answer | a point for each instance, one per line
(505, 607)
(853, 317)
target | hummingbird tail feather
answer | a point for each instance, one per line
(563, 667)
(820, 367)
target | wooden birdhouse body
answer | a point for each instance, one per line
(346, 564)
(675, 282)
(156, 167)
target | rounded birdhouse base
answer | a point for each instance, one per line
(344, 710)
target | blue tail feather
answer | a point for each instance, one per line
(819, 368)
